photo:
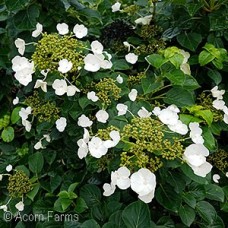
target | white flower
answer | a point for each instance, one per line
(102, 116)
(64, 66)
(15, 101)
(84, 121)
(20, 206)
(115, 138)
(185, 68)
(38, 31)
(126, 44)
(20, 45)
(122, 109)
(131, 58)
(23, 69)
(38, 145)
(119, 79)
(216, 178)
(82, 143)
(156, 111)
(195, 156)
(143, 182)
(24, 112)
(92, 96)
(143, 113)
(97, 47)
(42, 84)
(96, 147)
(92, 63)
(27, 125)
(168, 117)
(1, 176)
(121, 178)
(196, 133)
(109, 189)
(144, 20)
(9, 168)
(4, 208)
(71, 90)
(47, 137)
(61, 124)
(216, 93)
(80, 31)
(60, 86)
(225, 118)
(133, 94)
(62, 28)
(179, 128)
(116, 7)
(173, 108)
(106, 64)
(218, 104)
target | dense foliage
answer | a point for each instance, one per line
(113, 113)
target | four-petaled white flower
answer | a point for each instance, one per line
(61, 124)
(143, 182)
(62, 28)
(131, 58)
(80, 31)
(97, 47)
(122, 109)
(179, 128)
(15, 100)
(119, 79)
(20, 45)
(216, 178)
(20, 206)
(168, 117)
(133, 94)
(84, 121)
(116, 7)
(109, 189)
(38, 145)
(71, 90)
(143, 113)
(9, 168)
(115, 138)
(42, 84)
(96, 147)
(24, 112)
(144, 20)
(102, 116)
(38, 31)
(60, 87)
(218, 104)
(121, 178)
(65, 66)
(195, 156)
(92, 63)
(92, 96)
(216, 93)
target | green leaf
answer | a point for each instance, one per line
(205, 58)
(72, 187)
(31, 195)
(189, 40)
(91, 194)
(150, 87)
(215, 76)
(36, 162)
(189, 199)
(207, 115)
(16, 4)
(206, 211)
(121, 64)
(136, 214)
(187, 215)
(156, 60)
(209, 139)
(27, 19)
(214, 192)
(193, 8)
(173, 97)
(15, 115)
(168, 198)
(176, 180)
(61, 204)
(80, 205)
(116, 218)
(177, 60)
(177, 77)
(7, 134)
(55, 181)
(186, 118)
(90, 224)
